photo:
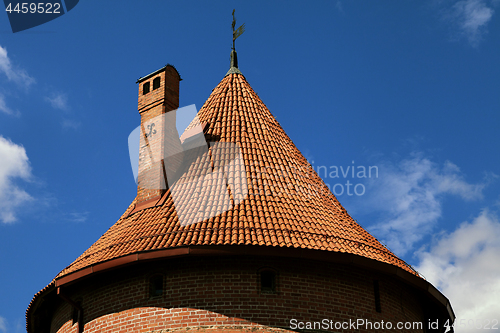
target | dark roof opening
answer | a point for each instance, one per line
(156, 83)
(145, 88)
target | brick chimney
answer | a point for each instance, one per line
(158, 94)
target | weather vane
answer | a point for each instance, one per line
(237, 33)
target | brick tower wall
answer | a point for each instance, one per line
(223, 294)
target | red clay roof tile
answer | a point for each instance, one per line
(287, 205)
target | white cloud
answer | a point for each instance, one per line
(78, 217)
(3, 324)
(15, 164)
(19, 76)
(409, 196)
(339, 6)
(3, 106)
(58, 101)
(70, 124)
(471, 16)
(465, 266)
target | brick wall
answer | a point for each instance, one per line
(223, 294)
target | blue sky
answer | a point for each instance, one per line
(411, 87)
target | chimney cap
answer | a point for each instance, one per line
(139, 80)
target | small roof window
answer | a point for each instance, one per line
(156, 83)
(145, 88)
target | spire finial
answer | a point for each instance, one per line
(237, 33)
(233, 68)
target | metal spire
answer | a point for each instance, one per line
(233, 68)
(237, 33)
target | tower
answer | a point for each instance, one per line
(158, 95)
(280, 254)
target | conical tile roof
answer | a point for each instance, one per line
(284, 203)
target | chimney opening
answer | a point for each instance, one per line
(156, 83)
(145, 88)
